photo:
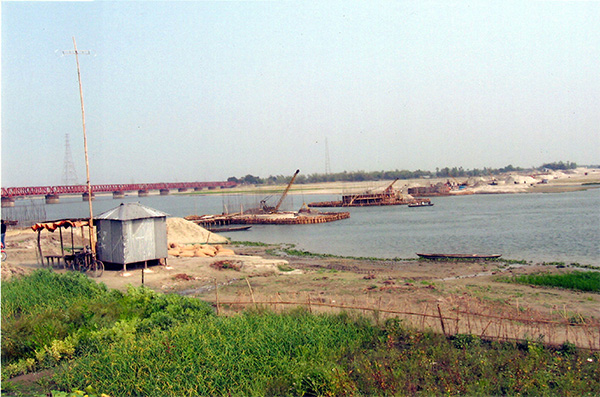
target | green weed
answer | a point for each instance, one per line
(575, 280)
(145, 343)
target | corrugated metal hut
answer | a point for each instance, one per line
(131, 233)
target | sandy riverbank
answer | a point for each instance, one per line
(548, 182)
(268, 273)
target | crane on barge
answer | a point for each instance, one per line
(272, 210)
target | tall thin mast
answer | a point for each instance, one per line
(85, 148)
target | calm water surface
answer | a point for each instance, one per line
(537, 227)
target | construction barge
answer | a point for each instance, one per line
(281, 218)
(268, 215)
(388, 196)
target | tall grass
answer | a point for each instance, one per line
(581, 281)
(144, 343)
(44, 289)
(256, 353)
(46, 308)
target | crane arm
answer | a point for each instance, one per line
(389, 188)
(285, 192)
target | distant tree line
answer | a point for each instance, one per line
(360, 176)
(560, 166)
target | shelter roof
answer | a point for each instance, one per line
(131, 211)
(52, 226)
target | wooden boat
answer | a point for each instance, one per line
(459, 256)
(421, 203)
(227, 229)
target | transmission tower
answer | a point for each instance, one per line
(69, 174)
(327, 165)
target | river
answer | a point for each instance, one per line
(563, 227)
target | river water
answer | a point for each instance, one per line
(549, 227)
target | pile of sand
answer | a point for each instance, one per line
(520, 179)
(181, 231)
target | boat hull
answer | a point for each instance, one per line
(459, 256)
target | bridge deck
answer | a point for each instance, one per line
(81, 189)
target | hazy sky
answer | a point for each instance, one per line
(198, 91)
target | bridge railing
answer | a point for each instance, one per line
(80, 189)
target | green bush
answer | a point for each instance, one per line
(588, 281)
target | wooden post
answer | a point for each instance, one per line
(457, 319)
(143, 272)
(217, 296)
(441, 320)
(62, 247)
(39, 244)
(251, 293)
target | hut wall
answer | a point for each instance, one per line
(132, 241)
(110, 241)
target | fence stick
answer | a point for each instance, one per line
(457, 320)
(441, 320)
(217, 295)
(251, 293)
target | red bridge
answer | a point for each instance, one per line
(118, 190)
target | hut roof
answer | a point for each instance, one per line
(131, 211)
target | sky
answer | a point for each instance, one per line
(185, 91)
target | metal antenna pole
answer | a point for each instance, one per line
(87, 164)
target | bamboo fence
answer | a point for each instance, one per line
(445, 316)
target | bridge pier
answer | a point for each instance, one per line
(52, 199)
(164, 192)
(197, 189)
(142, 193)
(8, 201)
(85, 196)
(118, 194)
(182, 189)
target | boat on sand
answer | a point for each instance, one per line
(223, 229)
(459, 256)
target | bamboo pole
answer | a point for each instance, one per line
(85, 147)
(441, 320)
(39, 244)
(62, 247)
(251, 293)
(217, 295)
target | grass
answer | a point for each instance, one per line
(249, 243)
(144, 343)
(575, 280)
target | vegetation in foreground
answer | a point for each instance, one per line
(576, 280)
(151, 344)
